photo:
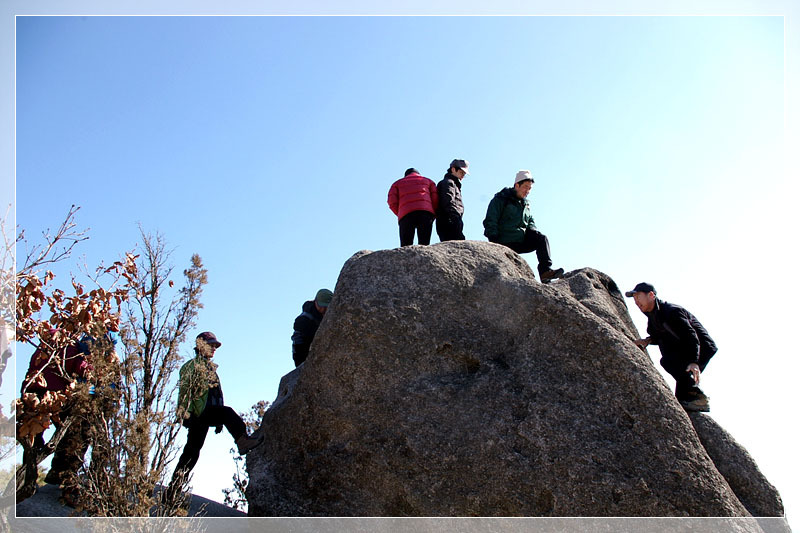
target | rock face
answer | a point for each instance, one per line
(757, 494)
(446, 381)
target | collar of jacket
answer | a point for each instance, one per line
(510, 195)
(453, 177)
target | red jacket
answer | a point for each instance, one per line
(413, 193)
(51, 377)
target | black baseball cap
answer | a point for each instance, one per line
(209, 338)
(641, 287)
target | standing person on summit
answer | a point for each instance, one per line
(414, 199)
(449, 221)
(307, 323)
(509, 222)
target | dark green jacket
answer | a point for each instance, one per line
(507, 217)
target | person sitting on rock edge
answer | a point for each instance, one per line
(509, 222)
(685, 345)
(307, 323)
(201, 405)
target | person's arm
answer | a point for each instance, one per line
(447, 196)
(491, 223)
(434, 196)
(678, 323)
(394, 198)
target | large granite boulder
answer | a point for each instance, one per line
(757, 494)
(446, 381)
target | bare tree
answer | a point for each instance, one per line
(156, 320)
(69, 318)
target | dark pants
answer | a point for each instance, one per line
(450, 230)
(685, 388)
(213, 415)
(422, 222)
(86, 429)
(534, 241)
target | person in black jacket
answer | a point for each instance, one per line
(306, 324)
(449, 222)
(685, 345)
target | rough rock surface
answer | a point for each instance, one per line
(757, 494)
(446, 381)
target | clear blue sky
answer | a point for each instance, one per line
(268, 144)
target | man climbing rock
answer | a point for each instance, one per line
(685, 345)
(509, 222)
(307, 323)
(201, 406)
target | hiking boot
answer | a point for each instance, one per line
(245, 443)
(550, 274)
(700, 405)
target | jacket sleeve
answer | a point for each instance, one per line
(679, 323)
(434, 196)
(394, 199)
(447, 196)
(531, 222)
(491, 223)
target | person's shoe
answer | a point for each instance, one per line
(700, 405)
(549, 275)
(245, 443)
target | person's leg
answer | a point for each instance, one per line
(191, 452)
(424, 227)
(69, 452)
(406, 225)
(535, 240)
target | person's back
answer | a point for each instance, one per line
(307, 323)
(414, 199)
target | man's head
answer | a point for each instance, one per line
(459, 168)
(206, 343)
(523, 182)
(411, 170)
(644, 295)
(322, 300)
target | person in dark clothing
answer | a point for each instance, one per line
(449, 215)
(509, 222)
(201, 406)
(686, 347)
(414, 199)
(57, 374)
(307, 323)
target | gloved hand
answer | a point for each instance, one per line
(218, 429)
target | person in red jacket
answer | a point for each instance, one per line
(414, 199)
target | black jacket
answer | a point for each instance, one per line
(451, 207)
(679, 335)
(305, 327)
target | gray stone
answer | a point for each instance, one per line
(445, 380)
(757, 494)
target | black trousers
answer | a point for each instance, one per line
(422, 222)
(450, 230)
(685, 388)
(534, 241)
(213, 415)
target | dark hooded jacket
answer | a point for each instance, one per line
(508, 217)
(451, 207)
(305, 327)
(681, 338)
